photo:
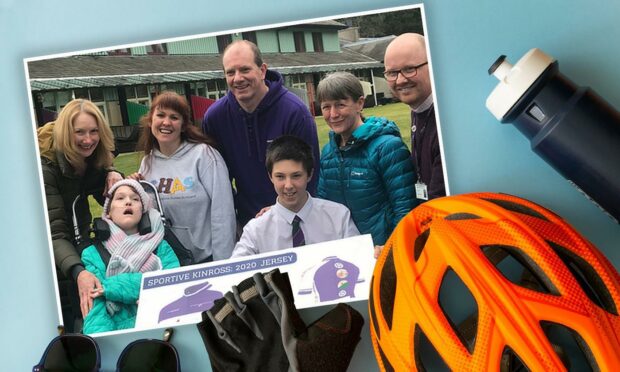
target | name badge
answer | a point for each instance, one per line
(420, 191)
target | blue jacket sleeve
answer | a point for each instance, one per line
(125, 287)
(320, 191)
(168, 259)
(398, 177)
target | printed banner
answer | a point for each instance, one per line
(320, 274)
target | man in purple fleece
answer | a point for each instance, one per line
(256, 110)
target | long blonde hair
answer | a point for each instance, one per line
(64, 129)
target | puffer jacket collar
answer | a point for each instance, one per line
(371, 128)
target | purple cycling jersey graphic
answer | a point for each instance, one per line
(333, 279)
(196, 298)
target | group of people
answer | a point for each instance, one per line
(251, 181)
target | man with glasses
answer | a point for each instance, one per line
(407, 74)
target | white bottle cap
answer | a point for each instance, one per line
(515, 80)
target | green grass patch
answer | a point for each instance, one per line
(129, 162)
(399, 113)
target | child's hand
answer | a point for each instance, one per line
(378, 249)
(97, 292)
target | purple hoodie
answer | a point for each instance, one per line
(243, 139)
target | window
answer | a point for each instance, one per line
(300, 41)
(81, 93)
(49, 101)
(223, 41)
(297, 81)
(96, 94)
(138, 94)
(157, 49)
(249, 36)
(120, 52)
(104, 110)
(213, 89)
(362, 75)
(317, 41)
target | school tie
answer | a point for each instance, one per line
(298, 234)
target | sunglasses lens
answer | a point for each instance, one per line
(71, 353)
(150, 355)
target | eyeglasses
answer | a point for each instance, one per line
(407, 71)
(80, 353)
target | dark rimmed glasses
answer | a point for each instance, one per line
(76, 352)
(407, 71)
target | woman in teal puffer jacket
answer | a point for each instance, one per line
(366, 165)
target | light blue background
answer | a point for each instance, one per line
(465, 38)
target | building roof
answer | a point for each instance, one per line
(373, 47)
(331, 24)
(84, 71)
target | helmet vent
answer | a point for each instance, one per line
(373, 313)
(459, 307)
(511, 362)
(589, 280)
(387, 288)
(426, 356)
(420, 243)
(519, 268)
(387, 367)
(572, 350)
(516, 207)
(461, 216)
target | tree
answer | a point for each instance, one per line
(385, 24)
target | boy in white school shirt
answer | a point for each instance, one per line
(289, 162)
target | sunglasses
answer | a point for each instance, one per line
(75, 352)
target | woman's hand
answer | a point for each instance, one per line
(378, 249)
(262, 211)
(110, 179)
(136, 176)
(87, 283)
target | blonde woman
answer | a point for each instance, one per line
(76, 159)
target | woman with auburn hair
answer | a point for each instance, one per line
(191, 177)
(76, 159)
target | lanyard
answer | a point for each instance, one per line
(415, 139)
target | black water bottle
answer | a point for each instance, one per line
(570, 127)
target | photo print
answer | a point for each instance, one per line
(121, 83)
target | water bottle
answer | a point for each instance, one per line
(570, 127)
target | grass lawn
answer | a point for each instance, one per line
(398, 112)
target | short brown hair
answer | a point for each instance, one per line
(289, 147)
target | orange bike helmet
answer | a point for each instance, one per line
(541, 296)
